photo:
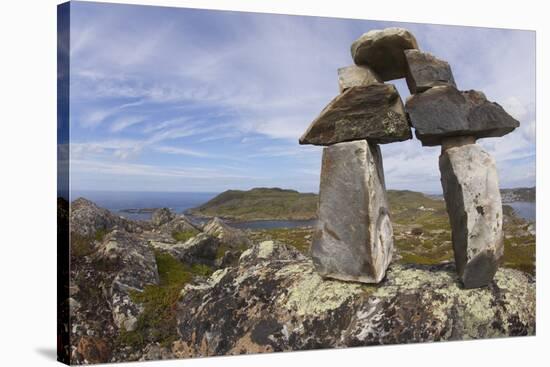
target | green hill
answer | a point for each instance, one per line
(276, 203)
(260, 204)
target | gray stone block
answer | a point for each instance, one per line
(444, 111)
(354, 238)
(382, 51)
(470, 187)
(425, 71)
(374, 112)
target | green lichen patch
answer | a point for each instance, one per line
(313, 295)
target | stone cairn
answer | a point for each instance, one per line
(354, 237)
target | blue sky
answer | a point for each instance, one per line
(172, 99)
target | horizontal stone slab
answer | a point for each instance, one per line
(356, 76)
(382, 51)
(470, 187)
(374, 112)
(444, 111)
(354, 237)
(425, 71)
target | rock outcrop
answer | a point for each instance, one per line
(382, 51)
(199, 249)
(353, 239)
(162, 216)
(87, 219)
(275, 301)
(133, 263)
(233, 238)
(178, 223)
(444, 111)
(375, 112)
(470, 186)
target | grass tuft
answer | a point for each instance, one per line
(183, 236)
(157, 322)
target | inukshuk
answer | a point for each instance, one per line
(354, 237)
(443, 115)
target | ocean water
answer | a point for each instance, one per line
(524, 209)
(268, 224)
(117, 201)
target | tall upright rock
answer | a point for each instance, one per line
(470, 186)
(353, 240)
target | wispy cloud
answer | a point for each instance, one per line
(181, 151)
(124, 122)
(227, 89)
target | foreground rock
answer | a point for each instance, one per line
(470, 186)
(353, 240)
(382, 51)
(179, 223)
(444, 111)
(162, 216)
(232, 237)
(425, 71)
(87, 219)
(374, 112)
(101, 306)
(134, 265)
(199, 249)
(275, 301)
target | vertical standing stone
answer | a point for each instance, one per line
(470, 186)
(354, 238)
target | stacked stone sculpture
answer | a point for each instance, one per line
(354, 237)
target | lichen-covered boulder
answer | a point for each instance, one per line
(443, 111)
(382, 51)
(354, 236)
(86, 219)
(270, 303)
(356, 76)
(162, 216)
(200, 249)
(179, 223)
(373, 112)
(230, 236)
(425, 71)
(471, 190)
(134, 266)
